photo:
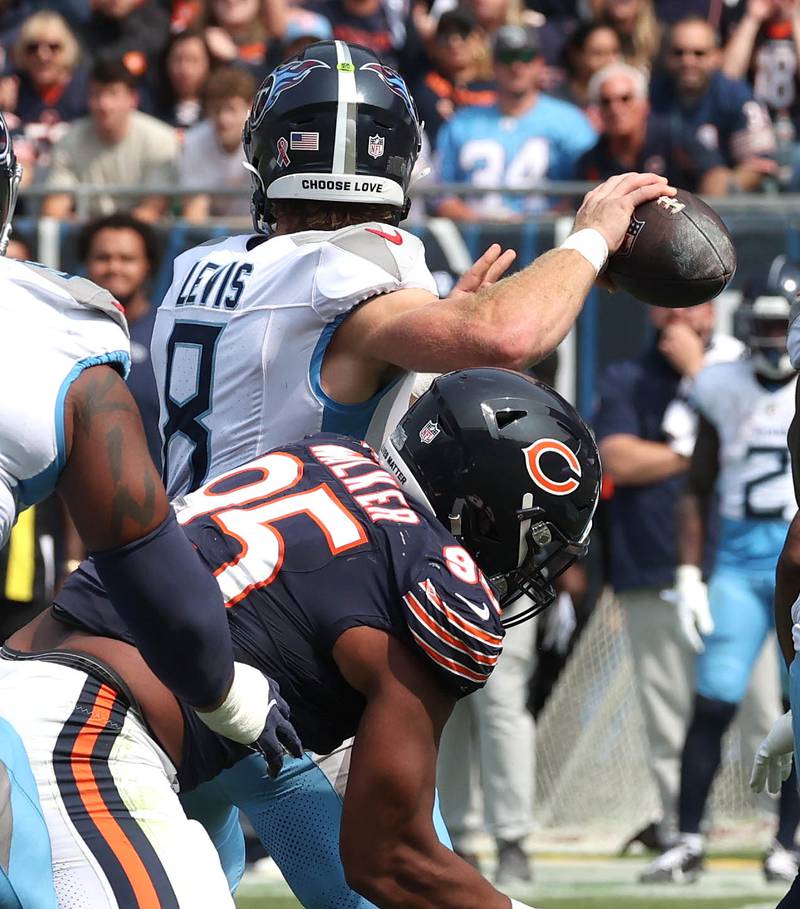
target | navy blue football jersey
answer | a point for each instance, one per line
(307, 542)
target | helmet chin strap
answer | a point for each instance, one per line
(13, 191)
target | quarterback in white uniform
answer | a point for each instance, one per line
(317, 326)
(745, 409)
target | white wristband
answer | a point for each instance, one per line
(688, 574)
(516, 904)
(591, 244)
(243, 714)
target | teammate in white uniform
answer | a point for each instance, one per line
(745, 409)
(264, 340)
(68, 423)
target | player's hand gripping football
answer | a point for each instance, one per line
(609, 206)
(773, 760)
(691, 601)
(254, 713)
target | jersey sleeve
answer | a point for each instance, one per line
(364, 261)
(452, 615)
(711, 389)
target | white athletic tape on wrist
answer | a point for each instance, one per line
(591, 244)
(689, 574)
(243, 714)
(516, 904)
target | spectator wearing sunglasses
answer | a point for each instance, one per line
(523, 139)
(721, 112)
(52, 83)
(634, 139)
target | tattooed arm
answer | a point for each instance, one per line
(167, 597)
(110, 484)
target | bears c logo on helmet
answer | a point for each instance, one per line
(533, 461)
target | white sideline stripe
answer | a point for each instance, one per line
(347, 96)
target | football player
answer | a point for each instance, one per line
(745, 409)
(317, 321)
(373, 592)
(68, 423)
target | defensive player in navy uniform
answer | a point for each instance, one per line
(315, 322)
(68, 423)
(745, 409)
(373, 594)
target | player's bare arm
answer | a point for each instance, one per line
(513, 323)
(631, 461)
(110, 484)
(694, 504)
(393, 856)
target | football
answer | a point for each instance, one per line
(677, 252)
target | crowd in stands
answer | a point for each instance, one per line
(154, 92)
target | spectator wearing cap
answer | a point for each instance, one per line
(212, 151)
(115, 145)
(183, 74)
(461, 72)
(303, 28)
(633, 139)
(721, 112)
(523, 139)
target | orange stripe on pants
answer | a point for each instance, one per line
(92, 799)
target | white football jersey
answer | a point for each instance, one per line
(52, 327)
(240, 337)
(755, 478)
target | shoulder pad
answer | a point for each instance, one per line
(83, 291)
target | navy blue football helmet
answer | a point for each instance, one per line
(10, 176)
(333, 125)
(510, 468)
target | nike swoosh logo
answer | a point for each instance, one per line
(396, 238)
(482, 612)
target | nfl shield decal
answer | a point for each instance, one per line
(429, 432)
(375, 147)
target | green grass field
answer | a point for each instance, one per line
(594, 883)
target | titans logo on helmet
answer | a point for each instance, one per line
(284, 78)
(394, 82)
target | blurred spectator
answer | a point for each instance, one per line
(303, 28)
(720, 111)
(115, 145)
(182, 79)
(121, 254)
(525, 138)
(647, 465)
(633, 139)
(493, 14)
(367, 22)
(134, 31)
(636, 22)
(763, 46)
(245, 32)
(461, 72)
(487, 749)
(212, 151)
(52, 81)
(590, 48)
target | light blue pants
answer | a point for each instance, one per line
(741, 606)
(26, 875)
(297, 818)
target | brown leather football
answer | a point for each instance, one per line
(677, 252)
